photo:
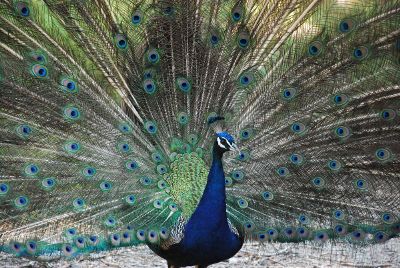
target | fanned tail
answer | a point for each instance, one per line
(105, 107)
(320, 129)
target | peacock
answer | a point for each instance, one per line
(195, 126)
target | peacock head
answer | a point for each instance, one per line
(225, 142)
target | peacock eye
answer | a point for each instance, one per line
(150, 127)
(71, 113)
(360, 53)
(183, 84)
(346, 25)
(315, 48)
(289, 93)
(89, 172)
(334, 165)
(137, 17)
(24, 131)
(149, 86)
(22, 9)
(153, 56)
(21, 202)
(121, 41)
(48, 184)
(388, 114)
(298, 128)
(183, 118)
(31, 170)
(243, 40)
(380, 237)
(340, 99)
(78, 203)
(342, 132)
(383, 154)
(39, 71)
(105, 186)
(168, 11)
(69, 85)
(4, 189)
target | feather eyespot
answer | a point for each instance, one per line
(31, 247)
(21, 202)
(105, 186)
(39, 71)
(149, 86)
(71, 113)
(298, 128)
(315, 48)
(380, 237)
(67, 250)
(303, 219)
(296, 159)
(79, 204)
(318, 182)
(150, 127)
(31, 170)
(360, 53)
(228, 181)
(361, 184)
(146, 181)
(164, 233)
(383, 154)
(4, 189)
(289, 93)
(110, 222)
(130, 199)
(141, 235)
(268, 196)
(124, 128)
(22, 9)
(338, 214)
(388, 114)
(48, 184)
(340, 99)
(69, 85)
(121, 41)
(282, 171)
(334, 165)
(115, 239)
(302, 232)
(131, 165)
(242, 203)
(237, 175)
(183, 118)
(214, 39)
(153, 57)
(89, 172)
(243, 40)
(72, 147)
(342, 132)
(183, 84)
(24, 131)
(346, 25)
(237, 13)
(137, 17)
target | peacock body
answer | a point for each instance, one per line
(115, 116)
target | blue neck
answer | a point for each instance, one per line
(211, 209)
(210, 214)
(207, 237)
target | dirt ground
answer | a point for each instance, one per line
(251, 255)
